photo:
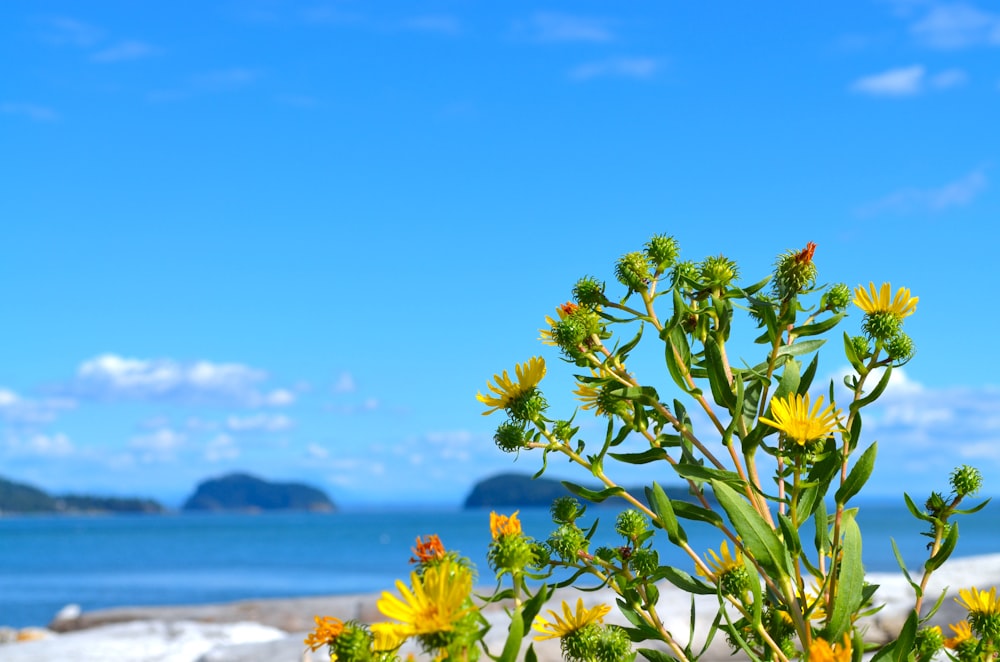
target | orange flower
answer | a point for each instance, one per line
(501, 525)
(327, 629)
(427, 551)
(805, 256)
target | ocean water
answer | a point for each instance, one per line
(47, 562)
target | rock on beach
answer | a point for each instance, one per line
(273, 630)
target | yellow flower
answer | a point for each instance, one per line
(963, 632)
(387, 637)
(820, 650)
(436, 602)
(501, 525)
(872, 301)
(327, 629)
(507, 390)
(979, 602)
(721, 566)
(563, 311)
(560, 627)
(798, 422)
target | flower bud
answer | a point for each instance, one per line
(837, 297)
(632, 271)
(966, 481)
(589, 292)
(686, 271)
(662, 252)
(717, 272)
(566, 510)
(862, 347)
(510, 436)
(568, 541)
(645, 561)
(510, 553)
(353, 644)
(794, 272)
(631, 524)
(929, 641)
(900, 348)
(882, 325)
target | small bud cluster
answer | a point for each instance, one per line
(966, 481)
(794, 272)
(597, 643)
(511, 436)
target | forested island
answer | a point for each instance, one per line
(23, 498)
(513, 490)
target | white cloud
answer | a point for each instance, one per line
(556, 27)
(259, 423)
(345, 384)
(41, 445)
(948, 79)
(957, 25)
(220, 448)
(18, 409)
(619, 67)
(110, 376)
(957, 193)
(63, 30)
(32, 111)
(905, 81)
(162, 442)
(124, 51)
(317, 452)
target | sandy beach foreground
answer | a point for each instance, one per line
(273, 630)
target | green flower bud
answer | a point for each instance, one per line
(985, 624)
(632, 271)
(527, 406)
(862, 347)
(510, 554)
(542, 555)
(510, 436)
(900, 348)
(353, 644)
(966, 481)
(589, 292)
(614, 645)
(566, 510)
(644, 561)
(581, 644)
(735, 581)
(882, 325)
(794, 272)
(569, 333)
(631, 524)
(758, 304)
(929, 641)
(968, 651)
(686, 271)
(607, 554)
(837, 298)
(563, 430)
(662, 252)
(568, 541)
(718, 272)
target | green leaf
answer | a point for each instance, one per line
(902, 566)
(819, 327)
(858, 476)
(596, 496)
(758, 538)
(876, 392)
(800, 348)
(947, 547)
(684, 581)
(702, 474)
(677, 354)
(665, 517)
(850, 582)
(645, 457)
(695, 513)
(722, 392)
(790, 534)
(790, 377)
(807, 377)
(852, 356)
(822, 533)
(643, 629)
(654, 655)
(514, 637)
(974, 509)
(530, 655)
(916, 512)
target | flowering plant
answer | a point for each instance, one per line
(781, 595)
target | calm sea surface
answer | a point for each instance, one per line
(97, 562)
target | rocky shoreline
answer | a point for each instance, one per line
(272, 630)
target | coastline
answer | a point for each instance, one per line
(273, 629)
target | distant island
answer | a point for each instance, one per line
(243, 492)
(513, 490)
(22, 498)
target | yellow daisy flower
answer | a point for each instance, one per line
(563, 311)
(437, 601)
(507, 390)
(387, 637)
(794, 418)
(501, 525)
(570, 622)
(327, 629)
(820, 650)
(721, 566)
(881, 301)
(979, 602)
(963, 632)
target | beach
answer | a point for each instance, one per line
(272, 630)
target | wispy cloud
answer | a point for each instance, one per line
(557, 27)
(908, 82)
(619, 67)
(31, 111)
(17, 409)
(124, 51)
(956, 25)
(67, 31)
(259, 423)
(957, 193)
(113, 377)
(442, 24)
(40, 445)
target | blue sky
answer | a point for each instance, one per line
(296, 238)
